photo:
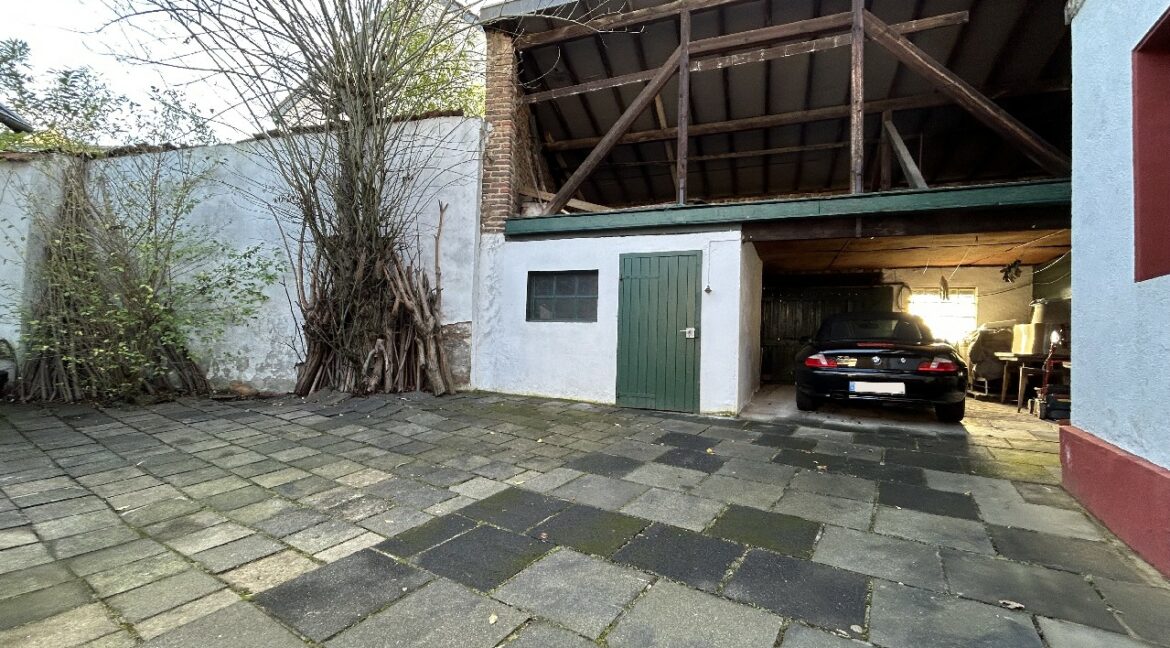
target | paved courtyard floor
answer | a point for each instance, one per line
(488, 520)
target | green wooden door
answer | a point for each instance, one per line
(658, 331)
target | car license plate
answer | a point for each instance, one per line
(897, 389)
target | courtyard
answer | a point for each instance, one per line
(489, 520)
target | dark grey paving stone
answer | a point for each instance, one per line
(928, 500)
(905, 616)
(607, 465)
(802, 636)
(160, 596)
(590, 530)
(697, 560)
(1041, 590)
(691, 441)
(784, 533)
(235, 553)
(483, 557)
(693, 459)
(42, 603)
(821, 595)
(32, 579)
(329, 599)
(673, 616)
(1072, 554)
(934, 461)
(289, 522)
(514, 509)
(67, 508)
(582, 593)
(440, 614)
(1143, 608)
(304, 487)
(1066, 634)
(1047, 495)
(92, 541)
(426, 535)
(785, 441)
(239, 624)
(116, 556)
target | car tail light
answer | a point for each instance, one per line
(819, 361)
(940, 364)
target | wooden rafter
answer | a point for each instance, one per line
(796, 117)
(1050, 158)
(743, 58)
(905, 160)
(615, 21)
(606, 144)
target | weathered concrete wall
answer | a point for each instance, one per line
(236, 205)
(578, 360)
(751, 299)
(998, 300)
(1115, 320)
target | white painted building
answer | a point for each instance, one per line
(1116, 453)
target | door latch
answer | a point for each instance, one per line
(689, 332)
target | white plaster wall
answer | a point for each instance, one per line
(998, 300)
(578, 360)
(1116, 322)
(751, 299)
(236, 206)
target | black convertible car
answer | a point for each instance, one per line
(881, 357)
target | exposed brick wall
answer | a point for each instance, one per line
(509, 150)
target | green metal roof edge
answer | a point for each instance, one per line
(1018, 194)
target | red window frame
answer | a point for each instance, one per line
(1151, 163)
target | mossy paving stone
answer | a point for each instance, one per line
(514, 509)
(425, 536)
(590, 530)
(784, 533)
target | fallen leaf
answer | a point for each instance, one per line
(857, 629)
(1011, 605)
(710, 450)
(493, 618)
(543, 535)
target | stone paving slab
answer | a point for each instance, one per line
(164, 516)
(238, 625)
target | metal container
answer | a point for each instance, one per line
(1032, 339)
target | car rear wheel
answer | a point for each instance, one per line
(806, 403)
(951, 412)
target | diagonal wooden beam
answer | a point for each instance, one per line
(1050, 158)
(905, 160)
(930, 100)
(640, 103)
(743, 58)
(617, 20)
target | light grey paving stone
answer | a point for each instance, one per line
(237, 625)
(479, 488)
(664, 476)
(850, 513)
(396, 520)
(813, 481)
(349, 547)
(122, 554)
(160, 596)
(136, 574)
(32, 579)
(1036, 517)
(75, 524)
(760, 471)
(43, 603)
(269, 572)
(207, 538)
(71, 628)
(671, 615)
(449, 506)
(677, 509)
(636, 450)
(551, 480)
(543, 635)
(440, 615)
(602, 492)
(91, 541)
(906, 616)
(120, 639)
(745, 450)
(185, 613)
(322, 536)
(23, 557)
(882, 556)
(800, 636)
(941, 530)
(233, 554)
(1066, 634)
(56, 510)
(582, 593)
(260, 511)
(1143, 608)
(739, 491)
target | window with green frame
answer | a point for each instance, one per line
(564, 296)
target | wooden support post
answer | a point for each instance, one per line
(1050, 158)
(668, 148)
(905, 160)
(684, 105)
(857, 101)
(619, 128)
(886, 155)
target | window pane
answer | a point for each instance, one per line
(566, 284)
(542, 283)
(951, 319)
(565, 309)
(587, 309)
(542, 309)
(587, 284)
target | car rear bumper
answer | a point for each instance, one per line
(834, 384)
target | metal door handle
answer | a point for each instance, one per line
(689, 332)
